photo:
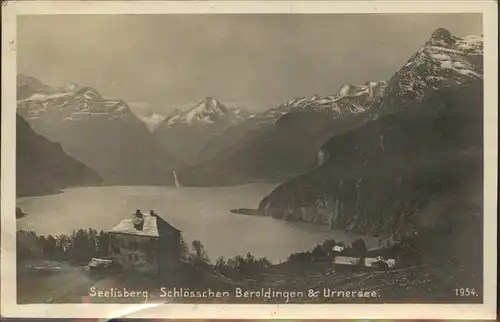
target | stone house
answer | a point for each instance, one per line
(144, 243)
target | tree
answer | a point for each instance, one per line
(221, 266)
(250, 259)
(28, 245)
(263, 263)
(102, 244)
(49, 246)
(300, 257)
(328, 247)
(231, 263)
(220, 263)
(200, 255)
(380, 265)
(318, 254)
(359, 247)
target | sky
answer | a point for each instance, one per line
(252, 61)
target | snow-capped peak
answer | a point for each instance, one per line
(71, 103)
(349, 99)
(152, 121)
(207, 111)
(370, 89)
(444, 62)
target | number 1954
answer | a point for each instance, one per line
(465, 292)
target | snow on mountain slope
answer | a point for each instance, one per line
(152, 121)
(350, 99)
(80, 104)
(186, 132)
(444, 62)
(207, 111)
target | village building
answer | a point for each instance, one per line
(145, 243)
(338, 248)
(374, 261)
(346, 260)
(370, 262)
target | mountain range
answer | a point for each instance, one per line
(185, 132)
(103, 134)
(349, 100)
(281, 142)
(420, 146)
(364, 159)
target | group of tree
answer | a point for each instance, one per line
(242, 266)
(79, 247)
(196, 256)
(236, 267)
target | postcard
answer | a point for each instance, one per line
(237, 159)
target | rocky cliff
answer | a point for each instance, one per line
(417, 148)
(42, 166)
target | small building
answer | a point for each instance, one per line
(100, 263)
(346, 260)
(338, 248)
(375, 262)
(145, 243)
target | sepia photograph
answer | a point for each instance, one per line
(211, 157)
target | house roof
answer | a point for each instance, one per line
(152, 225)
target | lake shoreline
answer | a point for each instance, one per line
(200, 213)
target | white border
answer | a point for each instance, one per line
(9, 307)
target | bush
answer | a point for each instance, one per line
(199, 256)
(240, 266)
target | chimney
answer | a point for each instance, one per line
(138, 220)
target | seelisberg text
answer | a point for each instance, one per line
(115, 292)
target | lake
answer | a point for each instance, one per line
(201, 213)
